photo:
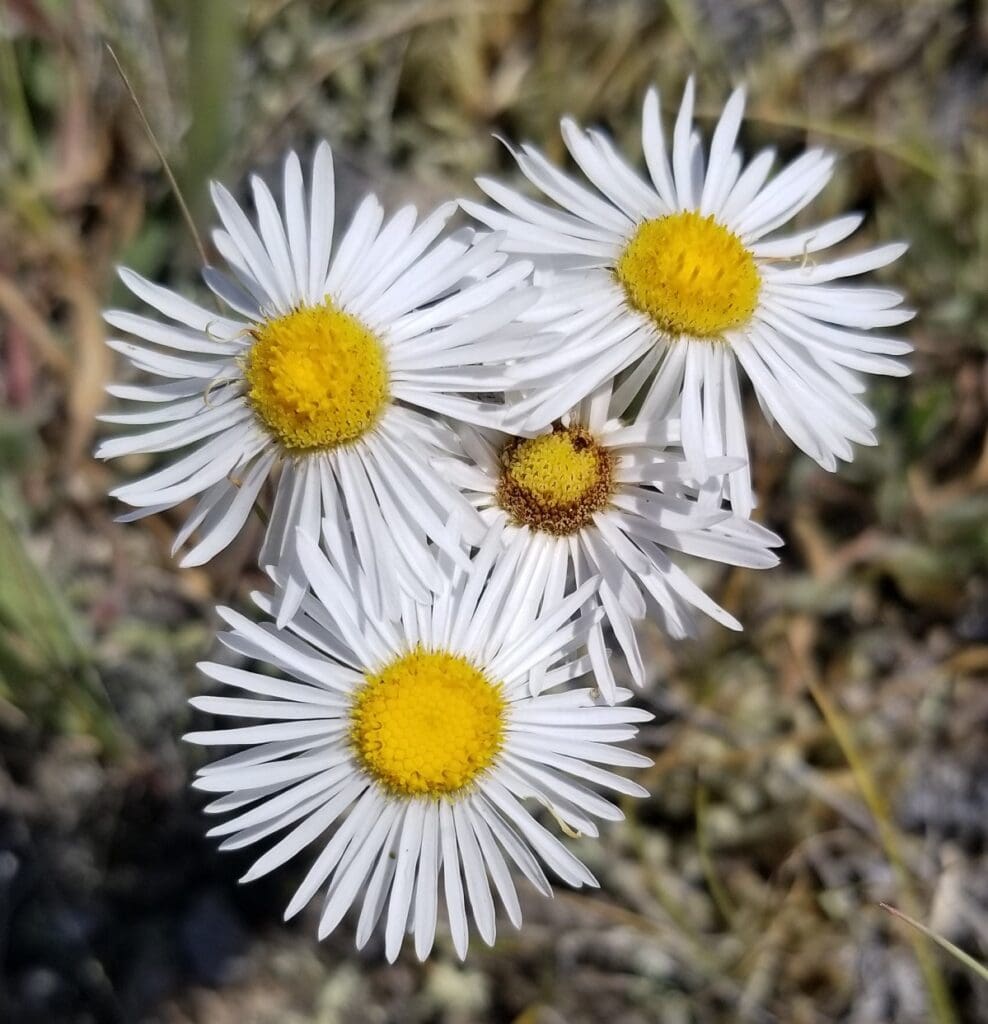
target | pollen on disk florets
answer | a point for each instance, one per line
(317, 377)
(691, 275)
(427, 724)
(555, 482)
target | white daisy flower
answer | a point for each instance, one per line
(331, 366)
(598, 496)
(683, 276)
(406, 749)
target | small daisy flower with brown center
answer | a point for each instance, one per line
(595, 495)
(680, 278)
(407, 757)
(330, 368)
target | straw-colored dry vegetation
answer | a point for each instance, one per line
(827, 760)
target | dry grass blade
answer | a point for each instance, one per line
(91, 363)
(172, 181)
(980, 969)
(18, 307)
(940, 1001)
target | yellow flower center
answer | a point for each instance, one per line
(317, 378)
(555, 482)
(428, 724)
(690, 275)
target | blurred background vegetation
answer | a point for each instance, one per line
(830, 759)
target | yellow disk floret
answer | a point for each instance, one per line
(428, 724)
(555, 482)
(690, 275)
(555, 467)
(317, 378)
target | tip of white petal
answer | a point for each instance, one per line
(226, 613)
(739, 91)
(509, 146)
(193, 559)
(494, 239)
(447, 209)
(484, 182)
(293, 908)
(471, 207)
(529, 269)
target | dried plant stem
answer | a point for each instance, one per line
(172, 181)
(980, 969)
(941, 1005)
